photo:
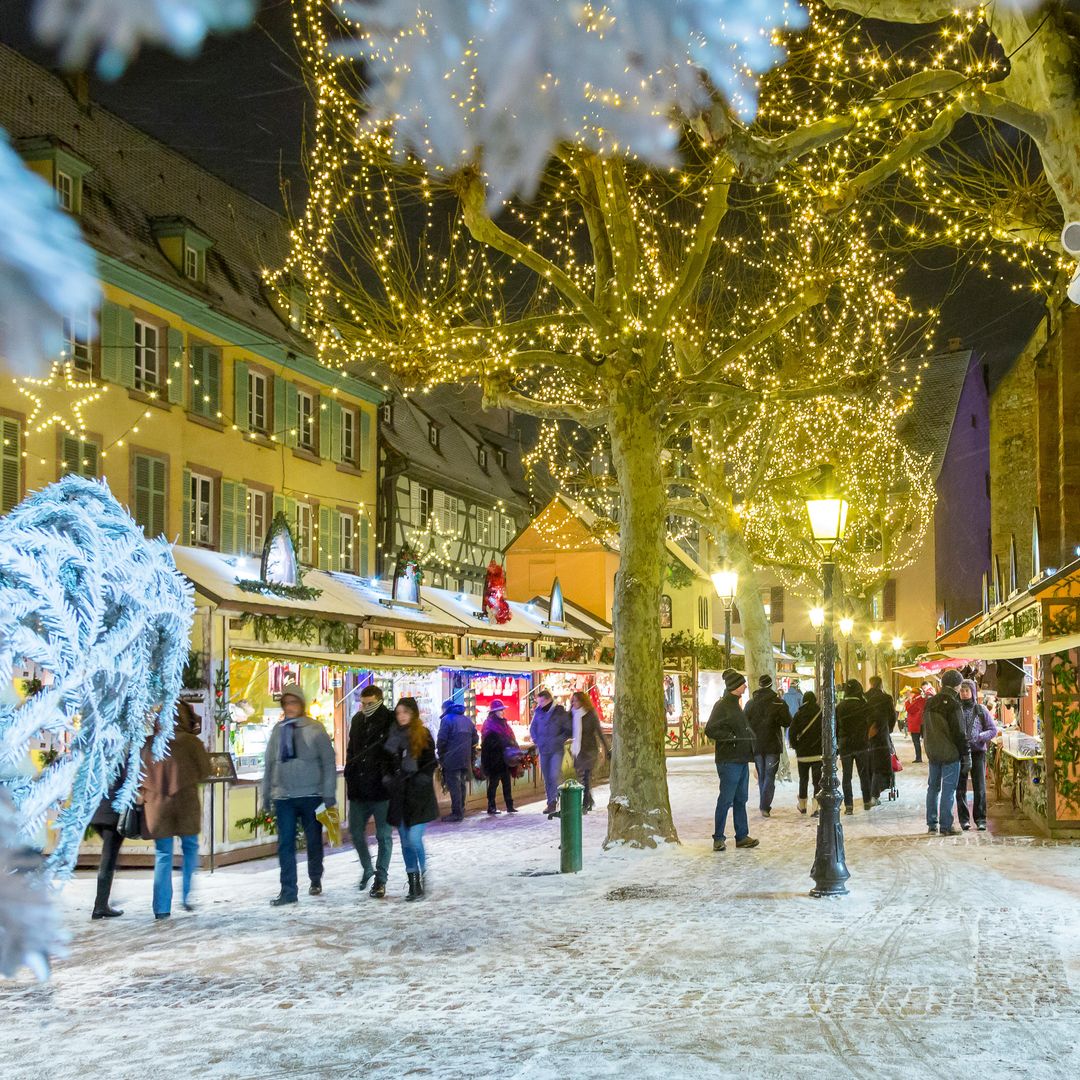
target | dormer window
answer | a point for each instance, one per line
(55, 163)
(386, 412)
(184, 246)
(65, 191)
(433, 435)
(500, 457)
(482, 458)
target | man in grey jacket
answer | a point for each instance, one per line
(947, 750)
(300, 773)
(551, 729)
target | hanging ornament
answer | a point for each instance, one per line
(58, 400)
(495, 605)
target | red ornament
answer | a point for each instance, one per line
(495, 593)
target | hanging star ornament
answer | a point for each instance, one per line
(59, 399)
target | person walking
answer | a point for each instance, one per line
(550, 731)
(980, 729)
(767, 716)
(300, 774)
(729, 730)
(851, 738)
(366, 763)
(805, 737)
(170, 793)
(915, 709)
(106, 823)
(880, 715)
(456, 746)
(496, 743)
(585, 742)
(411, 786)
(793, 697)
(947, 752)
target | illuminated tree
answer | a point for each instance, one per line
(734, 307)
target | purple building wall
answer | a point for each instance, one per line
(962, 519)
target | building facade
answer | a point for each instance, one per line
(451, 486)
(190, 391)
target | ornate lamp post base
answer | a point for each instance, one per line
(830, 866)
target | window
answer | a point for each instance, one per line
(201, 511)
(147, 358)
(665, 612)
(703, 612)
(191, 263)
(446, 509)
(77, 341)
(507, 530)
(484, 522)
(888, 601)
(304, 532)
(766, 602)
(424, 507)
(305, 419)
(257, 411)
(776, 604)
(500, 457)
(149, 487)
(433, 435)
(65, 191)
(206, 381)
(258, 513)
(346, 542)
(482, 458)
(79, 457)
(348, 436)
(386, 412)
(10, 463)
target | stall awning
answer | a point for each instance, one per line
(738, 650)
(1009, 649)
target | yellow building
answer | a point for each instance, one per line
(196, 399)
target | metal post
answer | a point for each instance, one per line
(727, 635)
(830, 868)
(569, 815)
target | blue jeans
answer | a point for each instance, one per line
(163, 853)
(941, 793)
(551, 767)
(360, 812)
(288, 812)
(412, 847)
(766, 766)
(734, 789)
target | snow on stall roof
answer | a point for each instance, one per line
(526, 620)
(376, 593)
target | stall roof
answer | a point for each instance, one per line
(577, 616)
(526, 620)
(1009, 649)
(959, 634)
(375, 594)
(738, 650)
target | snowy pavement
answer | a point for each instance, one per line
(949, 957)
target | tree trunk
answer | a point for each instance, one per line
(639, 810)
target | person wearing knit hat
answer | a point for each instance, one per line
(768, 717)
(456, 746)
(734, 739)
(852, 744)
(299, 774)
(946, 744)
(980, 729)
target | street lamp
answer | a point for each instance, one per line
(817, 621)
(827, 510)
(875, 640)
(726, 583)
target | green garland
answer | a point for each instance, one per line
(680, 576)
(1065, 722)
(338, 636)
(272, 588)
(708, 654)
(500, 650)
(381, 640)
(421, 643)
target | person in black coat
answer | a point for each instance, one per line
(106, 823)
(456, 746)
(729, 730)
(851, 738)
(497, 745)
(366, 763)
(768, 716)
(880, 715)
(805, 737)
(410, 784)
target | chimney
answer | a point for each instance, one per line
(954, 344)
(78, 85)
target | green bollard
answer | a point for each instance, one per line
(569, 815)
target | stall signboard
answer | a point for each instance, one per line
(222, 767)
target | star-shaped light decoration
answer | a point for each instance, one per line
(59, 399)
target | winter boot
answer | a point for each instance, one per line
(416, 889)
(378, 890)
(802, 806)
(492, 810)
(510, 808)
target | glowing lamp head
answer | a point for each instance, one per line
(817, 617)
(827, 509)
(875, 636)
(897, 644)
(726, 582)
(847, 624)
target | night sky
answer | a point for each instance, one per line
(238, 110)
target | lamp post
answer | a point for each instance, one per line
(817, 621)
(875, 640)
(847, 624)
(897, 645)
(827, 510)
(726, 583)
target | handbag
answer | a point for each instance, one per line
(132, 824)
(896, 766)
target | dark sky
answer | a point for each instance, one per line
(238, 110)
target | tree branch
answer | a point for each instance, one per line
(500, 397)
(906, 11)
(997, 107)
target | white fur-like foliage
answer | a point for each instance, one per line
(104, 611)
(513, 78)
(114, 30)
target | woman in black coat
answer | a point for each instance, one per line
(497, 744)
(106, 823)
(411, 788)
(588, 739)
(804, 734)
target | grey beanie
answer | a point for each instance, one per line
(295, 690)
(952, 678)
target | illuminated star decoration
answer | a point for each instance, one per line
(69, 396)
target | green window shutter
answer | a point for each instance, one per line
(240, 395)
(323, 409)
(198, 380)
(335, 540)
(281, 408)
(177, 367)
(142, 498)
(112, 342)
(292, 434)
(335, 430)
(365, 439)
(159, 494)
(125, 347)
(212, 374)
(233, 517)
(10, 463)
(280, 507)
(185, 512)
(325, 530)
(71, 455)
(91, 461)
(361, 562)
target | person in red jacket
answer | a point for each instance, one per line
(914, 716)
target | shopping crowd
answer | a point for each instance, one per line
(390, 767)
(950, 725)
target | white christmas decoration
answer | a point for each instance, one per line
(46, 270)
(115, 29)
(104, 612)
(517, 77)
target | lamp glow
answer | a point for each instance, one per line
(817, 617)
(875, 636)
(897, 643)
(827, 509)
(726, 582)
(847, 624)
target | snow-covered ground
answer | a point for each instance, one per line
(950, 957)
